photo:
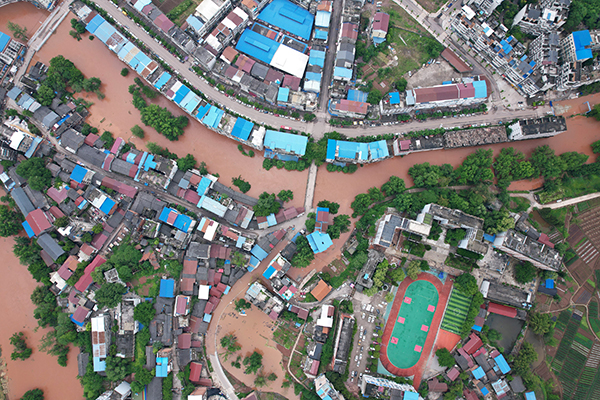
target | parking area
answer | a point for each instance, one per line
(368, 312)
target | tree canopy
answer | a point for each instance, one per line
(144, 313)
(34, 394)
(413, 269)
(109, 295)
(445, 359)
(253, 362)
(36, 173)
(304, 254)
(164, 121)
(540, 323)
(525, 272)
(267, 205)
(186, 163)
(467, 284)
(10, 221)
(393, 186)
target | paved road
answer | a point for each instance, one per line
(555, 205)
(335, 21)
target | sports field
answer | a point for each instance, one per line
(412, 324)
(456, 312)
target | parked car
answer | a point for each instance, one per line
(356, 358)
(362, 348)
(360, 356)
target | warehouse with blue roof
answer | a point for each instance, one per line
(282, 143)
(288, 17)
(341, 150)
(319, 242)
(257, 46)
(213, 117)
(316, 57)
(167, 288)
(283, 95)
(173, 218)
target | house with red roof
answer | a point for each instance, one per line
(38, 222)
(195, 371)
(473, 344)
(86, 280)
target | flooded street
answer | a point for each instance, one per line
(23, 14)
(116, 114)
(40, 370)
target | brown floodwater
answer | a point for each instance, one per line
(116, 114)
(40, 370)
(22, 13)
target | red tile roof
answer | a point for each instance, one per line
(91, 139)
(544, 239)
(314, 368)
(358, 107)
(453, 374)
(189, 266)
(466, 90)
(455, 61)
(56, 212)
(38, 221)
(187, 284)
(473, 344)
(437, 93)
(349, 30)
(321, 290)
(381, 22)
(184, 341)
(502, 310)
(195, 371)
(68, 267)
(86, 280)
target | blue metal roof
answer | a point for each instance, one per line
(203, 186)
(269, 272)
(286, 142)
(167, 287)
(240, 241)
(33, 147)
(357, 95)
(94, 24)
(316, 57)
(484, 391)
(549, 283)
(289, 17)
(283, 94)
(313, 76)
(331, 145)
(149, 162)
(164, 78)
(202, 111)
(319, 241)
(322, 19)
(140, 4)
(478, 373)
(182, 222)
(259, 252)
(4, 39)
(181, 93)
(78, 173)
(411, 396)
(164, 214)
(258, 46)
(243, 128)
(394, 98)
(162, 367)
(194, 22)
(321, 34)
(213, 117)
(342, 72)
(105, 31)
(99, 366)
(582, 39)
(480, 89)
(352, 150)
(501, 361)
(207, 317)
(107, 206)
(530, 396)
(271, 220)
(212, 205)
(379, 149)
(28, 229)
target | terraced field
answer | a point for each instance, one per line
(576, 361)
(456, 312)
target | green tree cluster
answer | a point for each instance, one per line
(10, 221)
(20, 349)
(525, 272)
(454, 236)
(137, 131)
(144, 313)
(413, 269)
(445, 359)
(35, 171)
(33, 394)
(541, 323)
(163, 121)
(109, 294)
(253, 362)
(243, 185)
(241, 304)
(267, 205)
(28, 253)
(466, 284)
(18, 31)
(285, 195)
(341, 224)
(394, 186)
(304, 254)
(333, 207)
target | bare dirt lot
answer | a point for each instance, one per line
(432, 74)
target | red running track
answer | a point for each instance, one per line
(417, 369)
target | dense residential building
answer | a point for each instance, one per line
(325, 389)
(544, 17)
(371, 386)
(525, 248)
(537, 128)
(578, 46)
(379, 28)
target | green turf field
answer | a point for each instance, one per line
(456, 312)
(409, 334)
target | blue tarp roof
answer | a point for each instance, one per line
(194, 22)
(28, 229)
(476, 328)
(254, 261)
(167, 287)
(271, 220)
(162, 367)
(164, 78)
(484, 391)
(319, 242)
(213, 117)
(582, 40)
(530, 396)
(501, 361)
(549, 283)
(269, 272)
(321, 34)
(480, 89)
(489, 238)
(394, 98)
(94, 24)
(286, 142)
(357, 95)
(78, 173)
(289, 17)
(342, 72)
(243, 128)
(258, 46)
(240, 241)
(107, 206)
(207, 317)
(181, 93)
(283, 95)
(183, 222)
(478, 373)
(259, 253)
(99, 366)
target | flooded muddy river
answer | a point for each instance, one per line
(24, 14)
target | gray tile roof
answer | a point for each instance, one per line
(91, 155)
(51, 246)
(22, 201)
